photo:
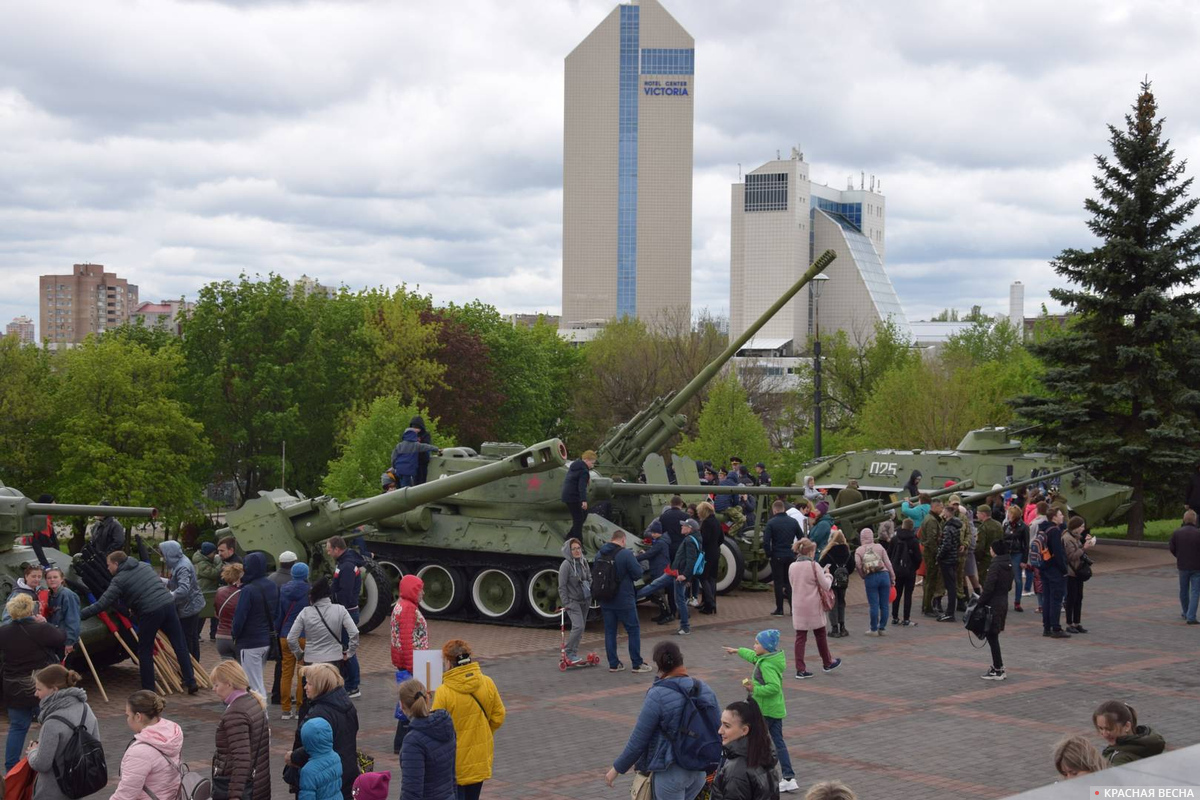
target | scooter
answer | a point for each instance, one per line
(590, 660)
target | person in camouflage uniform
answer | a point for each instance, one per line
(990, 530)
(930, 534)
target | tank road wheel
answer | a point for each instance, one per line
(731, 566)
(542, 594)
(394, 571)
(376, 598)
(445, 589)
(496, 593)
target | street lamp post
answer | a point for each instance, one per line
(817, 283)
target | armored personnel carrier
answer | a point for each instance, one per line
(988, 457)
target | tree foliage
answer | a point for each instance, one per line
(1122, 380)
(123, 434)
(727, 427)
(366, 447)
(27, 458)
(987, 339)
(467, 394)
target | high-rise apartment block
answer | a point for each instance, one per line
(87, 301)
(22, 328)
(781, 221)
(627, 168)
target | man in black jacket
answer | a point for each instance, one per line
(575, 491)
(1185, 546)
(1054, 577)
(107, 534)
(672, 520)
(137, 585)
(347, 584)
(780, 532)
(948, 555)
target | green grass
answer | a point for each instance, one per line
(1156, 530)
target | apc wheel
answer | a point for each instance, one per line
(445, 589)
(541, 592)
(375, 600)
(496, 593)
(731, 566)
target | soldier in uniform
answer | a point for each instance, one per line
(930, 534)
(964, 546)
(990, 530)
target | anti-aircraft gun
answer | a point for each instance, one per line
(21, 518)
(277, 521)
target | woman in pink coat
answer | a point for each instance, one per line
(807, 580)
(151, 762)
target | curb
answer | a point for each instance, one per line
(1132, 543)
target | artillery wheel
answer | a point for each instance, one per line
(375, 599)
(496, 593)
(541, 592)
(731, 567)
(445, 589)
(394, 570)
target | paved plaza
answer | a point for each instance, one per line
(905, 716)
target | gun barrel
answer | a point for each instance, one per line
(75, 510)
(603, 488)
(961, 486)
(976, 497)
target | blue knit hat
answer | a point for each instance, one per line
(208, 548)
(300, 571)
(768, 639)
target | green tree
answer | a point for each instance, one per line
(366, 448)
(987, 339)
(27, 391)
(401, 344)
(727, 427)
(851, 370)
(1121, 381)
(123, 433)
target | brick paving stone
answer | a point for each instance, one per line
(905, 716)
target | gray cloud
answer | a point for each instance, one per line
(376, 143)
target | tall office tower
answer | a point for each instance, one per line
(89, 300)
(627, 169)
(780, 222)
(1016, 306)
(22, 328)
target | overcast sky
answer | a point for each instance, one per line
(379, 143)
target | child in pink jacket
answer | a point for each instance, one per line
(151, 762)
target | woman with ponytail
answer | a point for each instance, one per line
(151, 761)
(749, 769)
(63, 708)
(1117, 722)
(242, 762)
(427, 756)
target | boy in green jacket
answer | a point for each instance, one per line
(766, 687)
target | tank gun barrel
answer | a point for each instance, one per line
(961, 486)
(75, 510)
(653, 427)
(277, 521)
(605, 488)
(977, 496)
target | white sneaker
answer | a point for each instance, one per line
(789, 785)
(286, 715)
(694, 602)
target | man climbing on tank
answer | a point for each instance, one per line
(108, 535)
(406, 458)
(575, 491)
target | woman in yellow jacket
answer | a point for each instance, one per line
(471, 699)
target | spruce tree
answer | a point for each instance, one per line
(1121, 380)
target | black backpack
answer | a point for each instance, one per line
(902, 562)
(604, 578)
(697, 740)
(79, 765)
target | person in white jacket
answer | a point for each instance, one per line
(151, 764)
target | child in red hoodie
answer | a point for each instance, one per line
(409, 633)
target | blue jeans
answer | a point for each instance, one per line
(1189, 592)
(775, 728)
(627, 617)
(1028, 579)
(1054, 589)
(677, 783)
(879, 586)
(1016, 562)
(681, 604)
(19, 720)
(351, 672)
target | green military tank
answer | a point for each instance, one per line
(20, 518)
(485, 532)
(988, 457)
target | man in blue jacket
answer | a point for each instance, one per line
(575, 491)
(657, 556)
(347, 585)
(406, 457)
(64, 608)
(1054, 577)
(780, 532)
(254, 620)
(622, 606)
(728, 506)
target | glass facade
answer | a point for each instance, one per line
(851, 212)
(627, 156)
(667, 61)
(766, 192)
(870, 267)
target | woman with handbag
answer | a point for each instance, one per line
(1079, 569)
(327, 699)
(321, 625)
(151, 764)
(28, 643)
(474, 705)
(840, 560)
(254, 621)
(811, 598)
(242, 761)
(62, 708)
(996, 586)
(225, 604)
